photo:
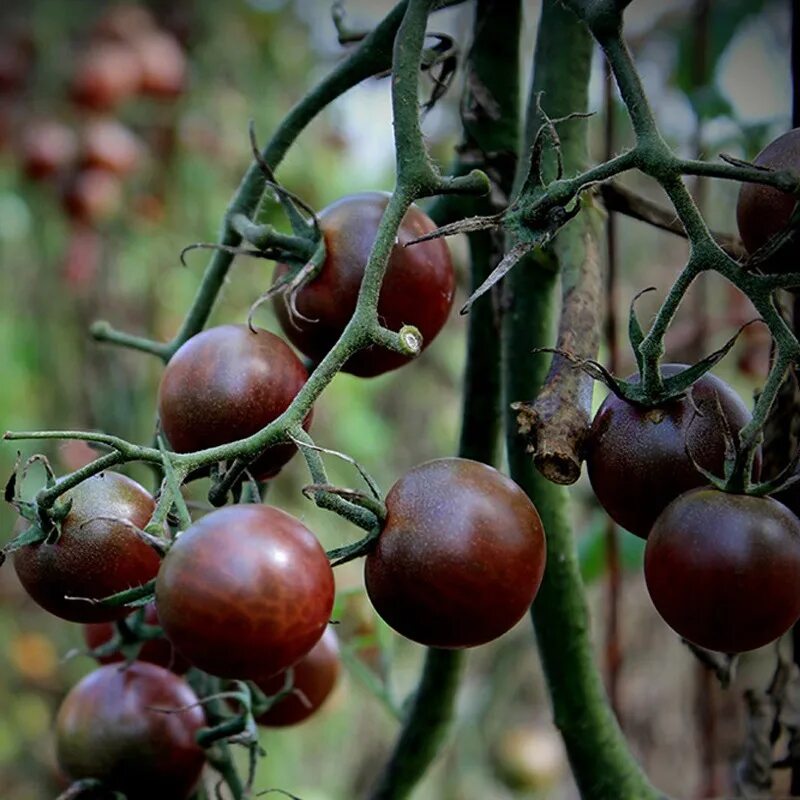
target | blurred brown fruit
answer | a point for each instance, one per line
(162, 64)
(93, 195)
(112, 146)
(46, 148)
(123, 22)
(108, 74)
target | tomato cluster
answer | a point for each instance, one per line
(721, 568)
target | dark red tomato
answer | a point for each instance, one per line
(225, 384)
(245, 592)
(92, 196)
(98, 553)
(162, 64)
(47, 147)
(418, 288)
(313, 679)
(762, 211)
(636, 456)
(155, 651)
(460, 557)
(123, 22)
(109, 145)
(723, 569)
(122, 726)
(108, 74)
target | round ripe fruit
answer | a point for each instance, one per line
(114, 726)
(109, 145)
(762, 211)
(155, 651)
(418, 288)
(46, 148)
(123, 22)
(228, 383)
(245, 592)
(460, 557)
(636, 456)
(98, 553)
(108, 74)
(162, 64)
(92, 196)
(723, 569)
(314, 677)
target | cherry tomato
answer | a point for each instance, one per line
(313, 679)
(636, 457)
(155, 651)
(109, 145)
(723, 569)
(762, 211)
(245, 592)
(418, 288)
(460, 556)
(108, 74)
(122, 726)
(225, 384)
(92, 196)
(97, 554)
(162, 64)
(47, 147)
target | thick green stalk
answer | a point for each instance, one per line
(493, 62)
(601, 761)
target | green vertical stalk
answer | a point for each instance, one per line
(601, 761)
(494, 63)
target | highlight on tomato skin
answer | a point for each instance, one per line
(113, 727)
(723, 569)
(418, 288)
(245, 592)
(313, 679)
(228, 383)
(460, 557)
(98, 554)
(637, 457)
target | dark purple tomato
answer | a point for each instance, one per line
(723, 570)
(418, 288)
(460, 557)
(762, 211)
(636, 457)
(225, 384)
(245, 592)
(155, 651)
(122, 726)
(99, 552)
(313, 679)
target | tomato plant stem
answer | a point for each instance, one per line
(602, 764)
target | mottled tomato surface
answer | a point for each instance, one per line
(155, 651)
(99, 552)
(460, 557)
(762, 212)
(313, 679)
(121, 725)
(418, 288)
(636, 456)
(245, 592)
(225, 384)
(723, 570)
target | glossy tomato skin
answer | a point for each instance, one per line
(245, 592)
(418, 288)
(762, 211)
(723, 569)
(460, 557)
(314, 677)
(636, 457)
(155, 651)
(98, 553)
(110, 727)
(227, 383)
